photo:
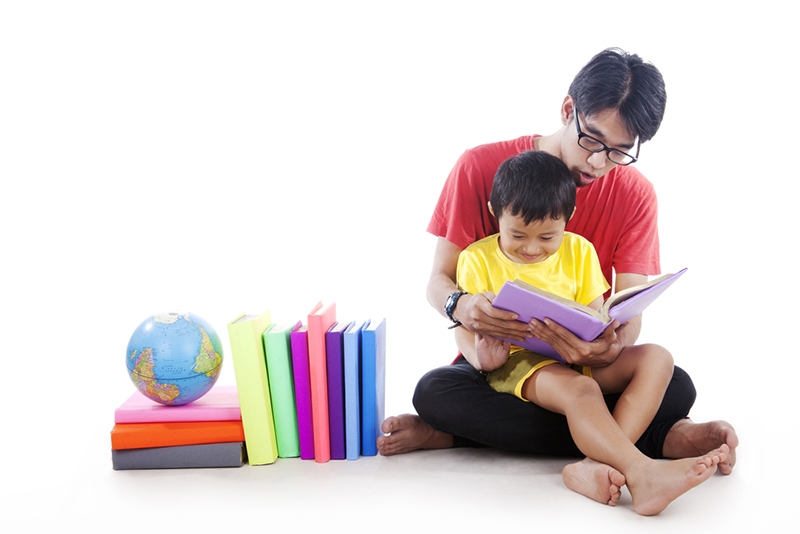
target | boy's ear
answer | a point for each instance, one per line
(573, 213)
(490, 208)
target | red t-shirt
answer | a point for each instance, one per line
(618, 213)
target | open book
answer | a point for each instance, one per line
(533, 303)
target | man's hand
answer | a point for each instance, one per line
(598, 353)
(478, 315)
(491, 352)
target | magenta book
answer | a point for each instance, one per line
(219, 404)
(533, 303)
(302, 389)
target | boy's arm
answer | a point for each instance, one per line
(475, 312)
(484, 353)
(607, 346)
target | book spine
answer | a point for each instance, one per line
(180, 457)
(247, 351)
(335, 363)
(373, 386)
(302, 388)
(277, 347)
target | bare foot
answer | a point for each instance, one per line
(654, 484)
(592, 479)
(408, 433)
(688, 439)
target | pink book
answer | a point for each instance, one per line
(319, 322)
(302, 390)
(219, 404)
(533, 303)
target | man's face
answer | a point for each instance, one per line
(605, 126)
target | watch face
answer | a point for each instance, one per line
(449, 307)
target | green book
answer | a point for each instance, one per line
(277, 346)
(247, 350)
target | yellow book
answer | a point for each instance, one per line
(247, 351)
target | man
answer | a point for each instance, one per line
(614, 104)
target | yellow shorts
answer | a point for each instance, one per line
(520, 366)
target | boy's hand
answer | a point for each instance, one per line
(491, 352)
(478, 315)
(598, 353)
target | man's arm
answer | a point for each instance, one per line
(606, 347)
(475, 312)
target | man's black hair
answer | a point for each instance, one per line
(534, 186)
(615, 79)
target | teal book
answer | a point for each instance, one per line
(278, 350)
(373, 385)
(352, 389)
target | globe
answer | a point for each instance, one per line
(174, 358)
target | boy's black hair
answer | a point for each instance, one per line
(615, 79)
(533, 185)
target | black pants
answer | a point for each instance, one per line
(456, 399)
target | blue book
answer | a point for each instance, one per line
(334, 350)
(352, 389)
(373, 385)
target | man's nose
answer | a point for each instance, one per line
(598, 160)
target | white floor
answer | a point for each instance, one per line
(468, 490)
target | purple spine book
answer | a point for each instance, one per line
(302, 387)
(334, 342)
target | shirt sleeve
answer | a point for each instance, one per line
(637, 250)
(461, 215)
(591, 282)
(472, 273)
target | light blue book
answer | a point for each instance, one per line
(373, 385)
(352, 389)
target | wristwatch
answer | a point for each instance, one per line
(450, 306)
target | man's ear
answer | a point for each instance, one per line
(567, 109)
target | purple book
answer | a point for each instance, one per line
(334, 342)
(533, 303)
(302, 388)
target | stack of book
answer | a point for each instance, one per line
(314, 390)
(205, 433)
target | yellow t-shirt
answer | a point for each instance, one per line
(573, 272)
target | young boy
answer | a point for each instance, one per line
(533, 197)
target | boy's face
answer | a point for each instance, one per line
(530, 243)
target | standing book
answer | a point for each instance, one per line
(250, 367)
(530, 302)
(334, 347)
(302, 389)
(352, 389)
(277, 347)
(373, 385)
(318, 323)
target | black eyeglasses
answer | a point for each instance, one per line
(587, 142)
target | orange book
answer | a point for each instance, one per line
(319, 322)
(145, 435)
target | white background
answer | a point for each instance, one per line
(228, 157)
